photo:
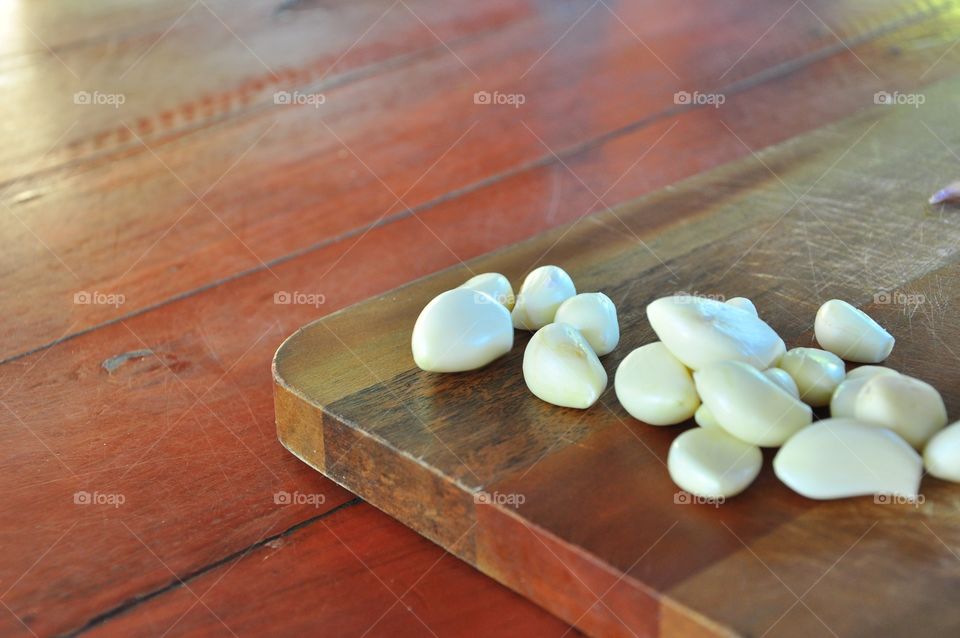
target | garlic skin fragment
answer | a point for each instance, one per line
(748, 405)
(851, 334)
(712, 464)
(653, 386)
(816, 372)
(460, 330)
(743, 304)
(595, 316)
(784, 380)
(844, 399)
(838, 458)
(561, 368)
(941, 456)
(704, 418)
(542, 292)
(495, 285)
(701, 331)
(910, 407)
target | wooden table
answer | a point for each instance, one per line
(185, 183)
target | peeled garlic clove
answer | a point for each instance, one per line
(704, 418)
(712, 464)
(910, 407)
(941, 456)
(851, 334)
(541, 294)
(844, 400)
(495, 285)
(748, 405)
(459, 330)
(595, 316)
(784, 380)
(743, 304)
(561, 368)
(837, 458)
(700, 331)
(816, 372)
(865, 372)
(654, 387)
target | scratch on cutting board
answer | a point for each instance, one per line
(112, 363)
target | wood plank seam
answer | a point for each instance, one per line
(178, 582)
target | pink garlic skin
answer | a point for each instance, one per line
(948, 193)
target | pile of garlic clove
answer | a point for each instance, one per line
(722, 365)
(470, 326)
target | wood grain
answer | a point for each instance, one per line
(838, 212)
(319, 568)
(137, 208)
(70, 426)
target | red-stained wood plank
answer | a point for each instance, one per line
(285, 179)
(238, 55)
(47, 27)
(353, 573)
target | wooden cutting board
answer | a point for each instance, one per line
(575, 509)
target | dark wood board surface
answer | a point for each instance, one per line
(598, 538)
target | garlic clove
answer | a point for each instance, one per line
(851, 334)
(843, 402)
(495, 285)
(865, 372)
(910, 407)
(784, 380)
(743, 304)
(595, 316)
(700, 331)
(653, 386)
(750, 406)
(542, 292)
(941, 456)
(837, 458)
(561, 368)
(816, 372)
(459, 330)
(704, 418)
(844, 399)
(712, 464)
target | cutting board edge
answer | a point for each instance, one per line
(669, 612)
